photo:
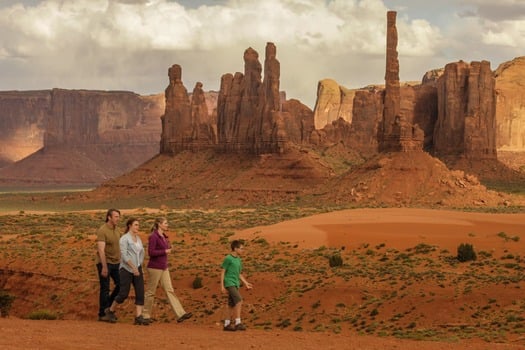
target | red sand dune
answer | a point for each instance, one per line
(399, 228)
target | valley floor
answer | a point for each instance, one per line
(27, 334)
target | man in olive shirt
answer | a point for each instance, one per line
(108, 260)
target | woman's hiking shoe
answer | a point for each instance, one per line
(240, 327)
(229, 328)
(141, 321)
(184, 317)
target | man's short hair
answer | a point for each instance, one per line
(110, 213)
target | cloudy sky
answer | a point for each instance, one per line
(130, 44)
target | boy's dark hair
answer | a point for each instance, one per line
(110, 213)
(236, 244)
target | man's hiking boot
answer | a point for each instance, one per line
(104, 318)
(110, 315)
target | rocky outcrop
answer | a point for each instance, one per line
(333, 102)
(361, 133)
(23, 115)
(176, 121)
(367, 114)
(392, 87)
(298, 121)
(84, 137)
(510, 105)
(251, 115)
(418, 106)
(187, 123)
(79, 117)
(396, 132)
(466, 124)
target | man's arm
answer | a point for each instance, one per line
(101, 247)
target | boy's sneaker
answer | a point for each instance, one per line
(229, 328)
(110, 315)
(141, 321)
(240, 327)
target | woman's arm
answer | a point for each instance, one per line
(154, 246)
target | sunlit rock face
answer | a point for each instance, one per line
(466, 123)
(510, 105)
(22, 123)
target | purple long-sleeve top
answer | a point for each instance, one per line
(157, 245)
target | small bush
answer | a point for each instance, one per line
(197, 282)
(335, 260)
(6, 301)
(466, 252)
(42, 315)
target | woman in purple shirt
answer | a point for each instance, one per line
(158, 249)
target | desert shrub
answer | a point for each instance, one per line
(466, 252)
(42, 315)
(6, 301)
(335, 260)
(197, 282)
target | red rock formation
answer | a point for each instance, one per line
(367, 115)
(361, 133)
(333, 102)
(176, 121)
(510, 105)
(392, 87)
(250, 114)
(86, 137)
(419, 107)
(466, 124)
(79, 117)
(396, 132)
(204, 125)
(298, 122)
(22, 123)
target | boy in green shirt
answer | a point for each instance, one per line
(231, 277)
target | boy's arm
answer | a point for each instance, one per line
(246, 283)
(223, 290)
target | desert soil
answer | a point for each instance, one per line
(399, 228)
(58, 335)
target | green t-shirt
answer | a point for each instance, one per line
(233, 267)
(111, 237)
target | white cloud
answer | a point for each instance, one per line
(129, 44)
(512, 35)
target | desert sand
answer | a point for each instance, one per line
(398, 228)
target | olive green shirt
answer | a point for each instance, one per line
(111, 237)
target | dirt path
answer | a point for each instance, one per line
(27, 334)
